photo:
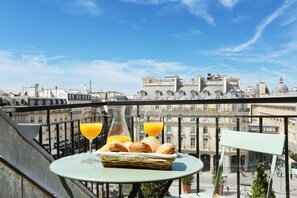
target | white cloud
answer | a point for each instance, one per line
(229, 3)
(199, 8)
(240, 18)
(76, 7)
(19, 71)
(148, 2)
(261, 28)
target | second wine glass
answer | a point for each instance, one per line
(153, 124)
(90, 127)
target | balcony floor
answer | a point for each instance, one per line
(207, 187)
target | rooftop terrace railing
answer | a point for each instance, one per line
(73, 142)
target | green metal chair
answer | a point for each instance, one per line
(258, 142)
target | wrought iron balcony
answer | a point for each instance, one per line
(59, 132)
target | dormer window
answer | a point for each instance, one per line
(181, 94)
(158, 94)
(170, 94)
(142, 94)
(193, 94)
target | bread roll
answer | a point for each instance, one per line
(128, 144)
(105, 148)
(152, 142)
(166, 148)
(140, 147)
(114, 147)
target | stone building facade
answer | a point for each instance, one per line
(209, 87)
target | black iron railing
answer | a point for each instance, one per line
(76, 143)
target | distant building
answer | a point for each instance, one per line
(276, 125)
(210, 87)
(36, 96)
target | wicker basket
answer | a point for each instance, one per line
(137, 160)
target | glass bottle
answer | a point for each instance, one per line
(119, 129)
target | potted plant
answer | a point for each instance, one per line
(221, 180)
(187, 181)
(154, 189)
(260, 184)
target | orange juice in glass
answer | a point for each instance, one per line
(91, 130)
(153, 128)
(118, 130)
(119, 138)
(90, 127)
(153, 124)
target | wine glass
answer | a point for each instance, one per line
(153, 123)
(90, 127)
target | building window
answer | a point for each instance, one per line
(193, 142)
(168, 117)
(233, 107)
(141, 127)
(218, 96)
(168, 140)
(182, 129)
(205, 143)
(158, 94)
(32, 119)
(181, 117)
(168, 128)
(169, 107)
(32, 103)
(205, 96)
(193, 106)
(193, 119)
(193, 94)
(169, 94)
(40, 119)
(182, 142)
(181, 94)
(205, 130)
(193, 129)
(180, 107)
(142, 95)
(140, 137)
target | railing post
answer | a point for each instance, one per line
(217, 144)
(72, 136)
(197, 152)
(287, 157)
(40, 135)
(49, 130)
(162, 134)
(58, 141)
(179, 149)
(238, 161)
(261, 131)
(65, 139)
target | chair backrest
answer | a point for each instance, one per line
(258, 142)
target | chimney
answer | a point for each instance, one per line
(36, 90)
(199, 83)
(224, 79)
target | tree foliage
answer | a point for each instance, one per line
(153, 189)
(260, 184)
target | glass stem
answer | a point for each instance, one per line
(90, 148)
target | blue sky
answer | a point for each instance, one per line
(115, 43)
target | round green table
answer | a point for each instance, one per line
(71, 167)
